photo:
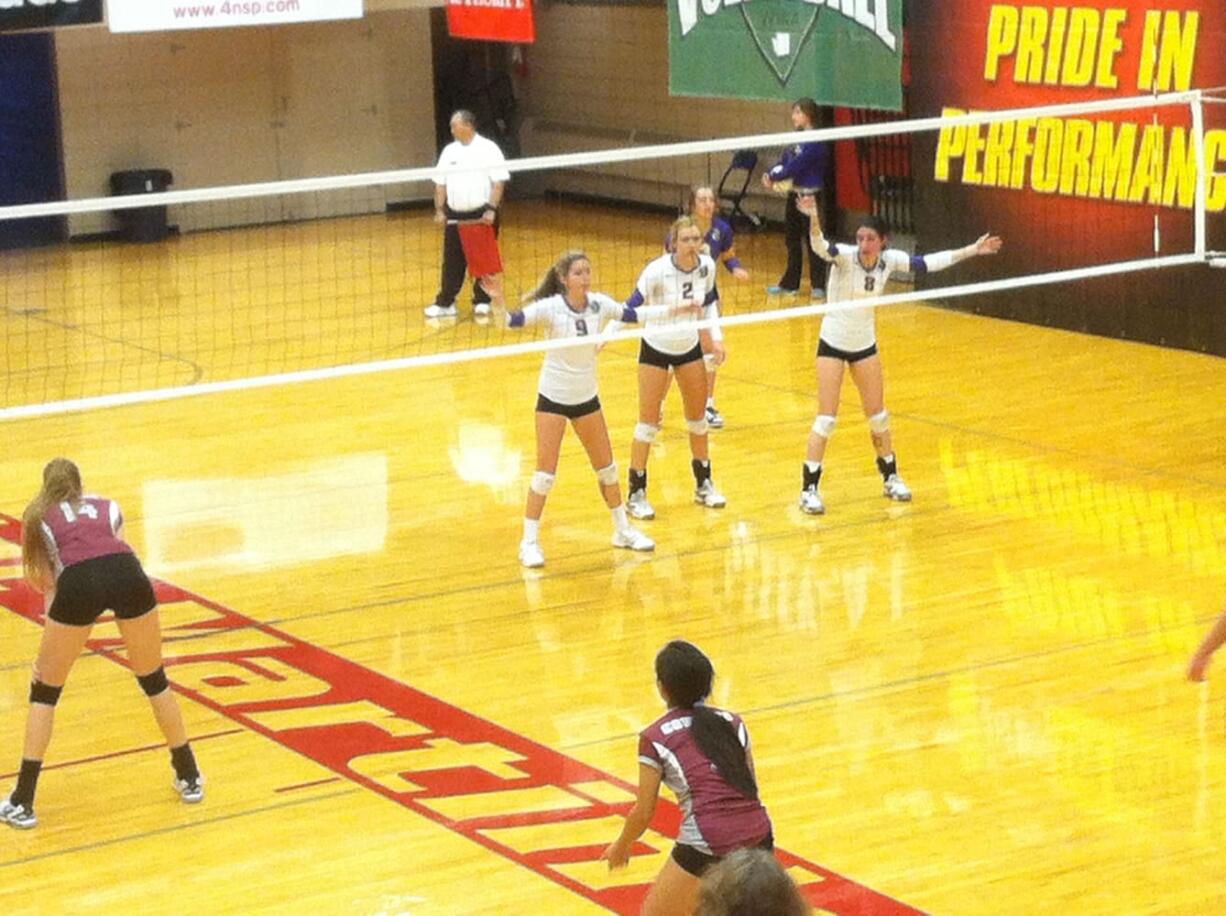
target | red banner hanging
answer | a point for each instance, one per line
(491, 20)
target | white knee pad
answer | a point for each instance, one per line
(541, 483)
(645, 432)
(879, 422)
(708, 360)
(607, 475)
(697, 427)
(824, 425)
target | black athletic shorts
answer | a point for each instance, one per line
(824, 349)
(696, 862)
(114, 582)
(650, 356)
(573, 411)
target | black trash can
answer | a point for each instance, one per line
(142, 224)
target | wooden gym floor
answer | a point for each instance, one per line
(974, 703)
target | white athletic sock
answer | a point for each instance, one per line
(620, 521)
(813, 466)
(711, 402)
(532, 529)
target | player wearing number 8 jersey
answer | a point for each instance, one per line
(683, 276)
(74, 552)
(565, 305)
(849, 339)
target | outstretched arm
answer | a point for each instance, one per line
(985, 244)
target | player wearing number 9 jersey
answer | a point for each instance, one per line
(74, 552)
(565, 305)
(849, 339)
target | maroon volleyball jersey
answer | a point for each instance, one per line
(75, 533)
(716, 818)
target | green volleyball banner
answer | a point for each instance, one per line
(839, 52)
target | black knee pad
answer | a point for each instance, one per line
(44, 693)
(154, 682)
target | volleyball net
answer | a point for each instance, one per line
(297, 280)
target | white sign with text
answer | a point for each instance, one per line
(167, 15)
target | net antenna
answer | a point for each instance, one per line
(374, 330)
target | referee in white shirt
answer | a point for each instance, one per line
(465, 196)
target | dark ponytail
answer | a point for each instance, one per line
(686, 676)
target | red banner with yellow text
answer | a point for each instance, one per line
(1079, 189)
(491, 20)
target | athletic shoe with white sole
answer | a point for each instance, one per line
(531, 555)
(811, 502)
(482, 309)
(434, 310)
(638, 506)
(896, 490)
(707, 495)
(18, 816)
(190, 790)
(633, 539)
(715, 419)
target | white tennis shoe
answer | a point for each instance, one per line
(633, 539)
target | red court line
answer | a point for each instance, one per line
(447, 754)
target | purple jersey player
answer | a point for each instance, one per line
(73, 551)
(703, 755)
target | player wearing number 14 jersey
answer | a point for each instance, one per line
(73, 551)
(848, 339)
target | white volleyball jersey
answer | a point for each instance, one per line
(568, 375)
(855, 329)
(662, 282)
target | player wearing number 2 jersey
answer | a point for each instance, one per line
(684, 276)
(74, 552)
(719, 245)
(565, 305)
(849, 339)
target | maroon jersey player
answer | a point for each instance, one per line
(703, 755)
(74, 552)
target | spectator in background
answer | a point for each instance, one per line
(801, 169)
(472, 195)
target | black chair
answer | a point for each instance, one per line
(731, 197)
